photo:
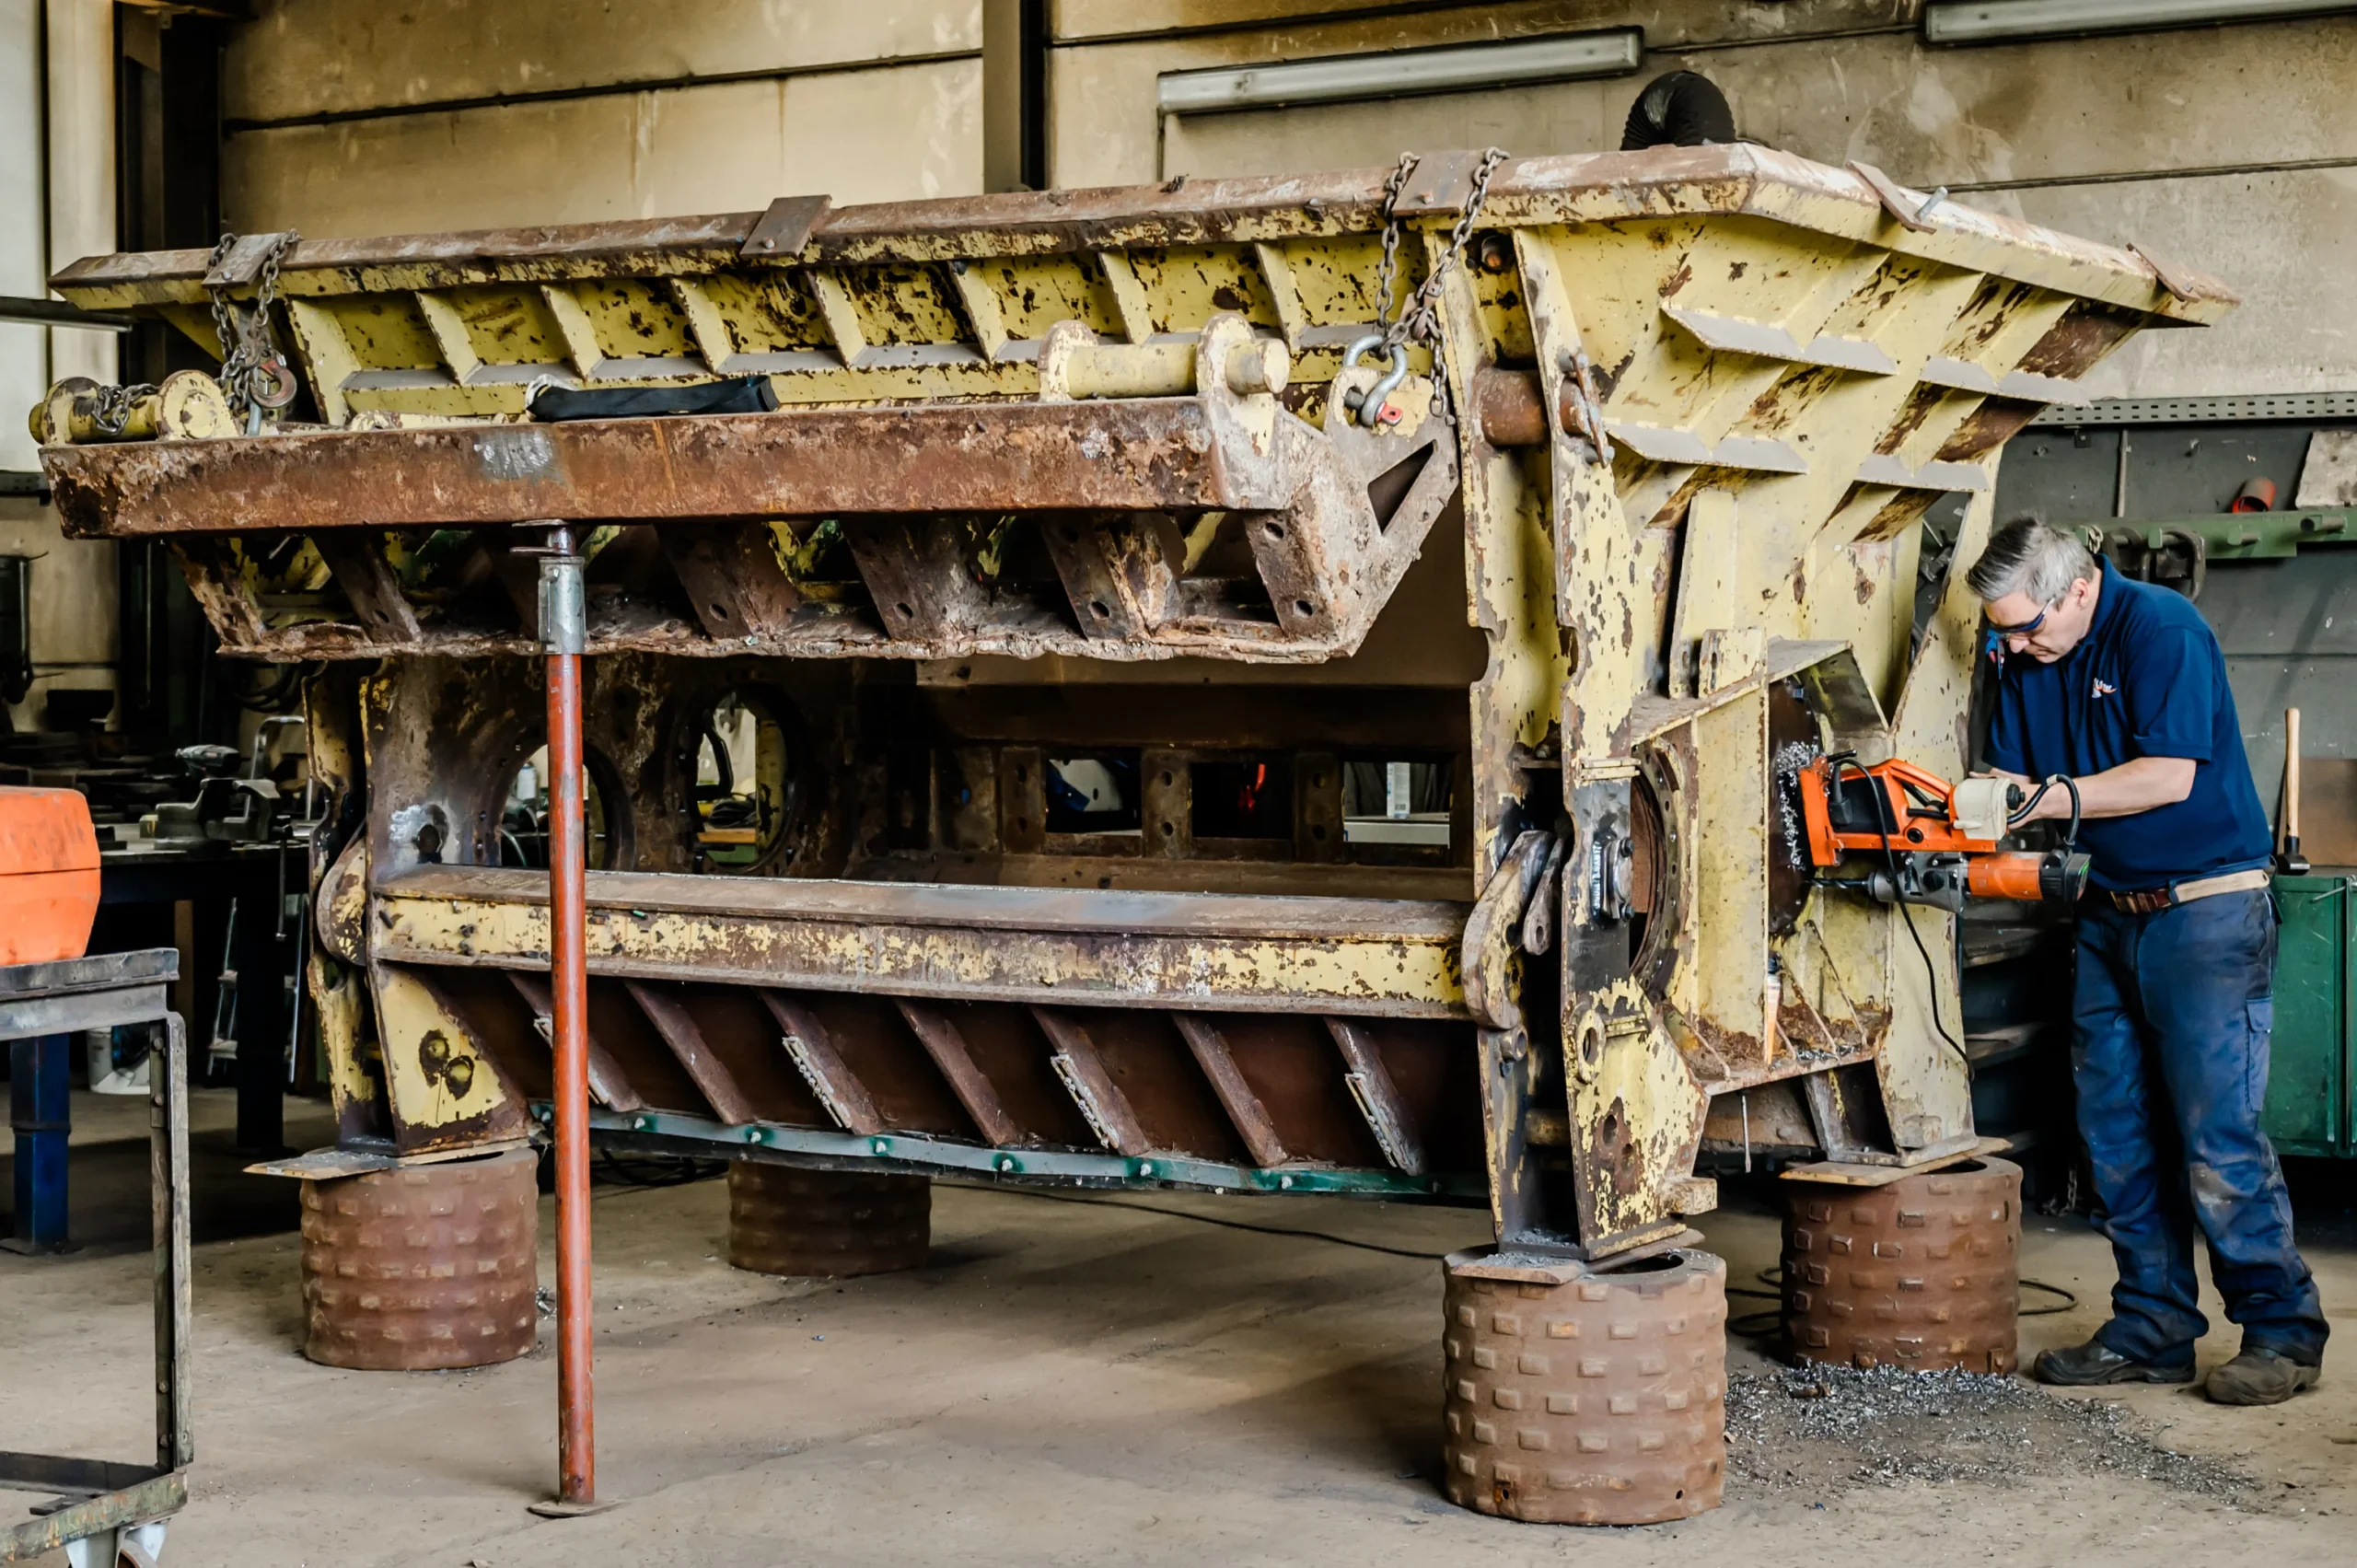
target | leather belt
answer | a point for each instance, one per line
(2152, 901)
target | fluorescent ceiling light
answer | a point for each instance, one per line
(1986, 21)
(1452, 68)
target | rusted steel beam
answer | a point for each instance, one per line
(1236, 1097)
(157, 1498)
(607, 1079)
(947, 1048)
(734, 578)
(1117, 576)
(679, 1030)
(368, 580)
(209, 563)
(1101, 1101)
(1379, 1100)
(1351, 957)
(1135, 455)
(813, 1052)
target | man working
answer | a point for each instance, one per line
(2124, 691)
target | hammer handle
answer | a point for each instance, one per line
(2291, 776)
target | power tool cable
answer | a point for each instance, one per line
(1899, 901)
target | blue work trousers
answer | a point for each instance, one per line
(2173, 1012)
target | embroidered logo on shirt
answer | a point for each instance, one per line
(2104, 688)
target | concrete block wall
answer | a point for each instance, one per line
(2218, 147)
(2222, 147)
(355, 117)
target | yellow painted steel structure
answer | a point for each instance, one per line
(1681, 419)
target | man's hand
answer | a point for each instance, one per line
(2133, 786)
(2016, 780)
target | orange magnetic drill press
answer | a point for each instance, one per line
(1928, 841)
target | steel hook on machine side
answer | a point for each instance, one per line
(1367, 406)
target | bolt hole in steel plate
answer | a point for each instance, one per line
(1655, 804)
(1792, 743)
(749, 783)
(1095, 793)
(1590, 1057)
(522, 832)
(1660, 1264)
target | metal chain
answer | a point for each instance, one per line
(1384, 274)
(1419, 318)
(253, 373)
(110, 406)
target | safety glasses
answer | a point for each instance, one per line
(2023, 630)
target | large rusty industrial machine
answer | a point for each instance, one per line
(1254, 686)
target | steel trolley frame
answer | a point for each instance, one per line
(103, 1511)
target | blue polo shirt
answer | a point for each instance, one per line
(2147, 681)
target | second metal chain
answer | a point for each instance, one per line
(110, 406)
(1419, 318)
(254, 374)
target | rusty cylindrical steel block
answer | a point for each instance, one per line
(786, 1221)
(1922, 1273)
(425, 1268)
(1586, 1397)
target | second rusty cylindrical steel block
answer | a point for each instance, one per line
(1922, 1273)
(426, 1268)
(1582, 1397)
(786, 1221)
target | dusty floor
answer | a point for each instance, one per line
(1065, 1383)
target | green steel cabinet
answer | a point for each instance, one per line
(2308, 1077)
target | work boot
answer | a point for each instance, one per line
(2259, 1377)
(2093, 1364)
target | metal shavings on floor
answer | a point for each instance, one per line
(1825, 1430)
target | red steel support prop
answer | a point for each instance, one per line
(561, 630)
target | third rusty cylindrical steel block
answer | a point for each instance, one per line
(782, 1220)
(1922, 1273)
(425, 1268)
(1585, 1398)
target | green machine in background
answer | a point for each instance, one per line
(2308, 1082)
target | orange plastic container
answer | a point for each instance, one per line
(49, 875)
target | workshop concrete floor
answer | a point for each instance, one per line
(1064, 1382)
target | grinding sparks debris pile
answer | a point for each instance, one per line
(1827, 1429)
